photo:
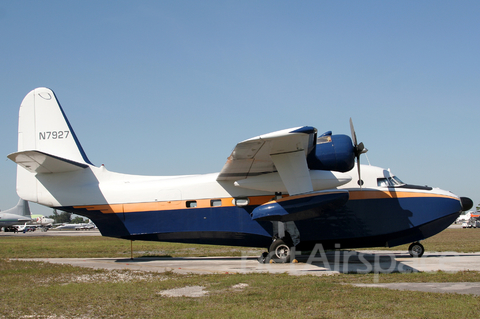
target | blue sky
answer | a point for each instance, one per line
(169, 87)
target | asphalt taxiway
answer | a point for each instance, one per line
(328, 263)
(39, 233)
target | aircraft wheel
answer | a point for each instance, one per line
(416, 250)
(263, 258)
(280, 251)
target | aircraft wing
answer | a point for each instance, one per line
(283, 151)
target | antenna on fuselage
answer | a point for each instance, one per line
(368, 160)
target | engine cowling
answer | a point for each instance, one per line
(332, 153)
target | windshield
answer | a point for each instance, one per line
(389, 181)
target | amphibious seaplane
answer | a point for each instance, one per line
(290, 188)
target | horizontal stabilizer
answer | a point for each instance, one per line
(300, 207)
(39, 162)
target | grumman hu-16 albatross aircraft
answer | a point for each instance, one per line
(280, 190)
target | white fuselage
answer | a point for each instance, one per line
(102, 187)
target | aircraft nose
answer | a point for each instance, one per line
(467, 203)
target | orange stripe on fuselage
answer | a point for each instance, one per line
(254, 201)
(106, 209)
(168, 205)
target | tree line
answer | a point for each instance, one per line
(66, 218)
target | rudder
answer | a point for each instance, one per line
(43, 127)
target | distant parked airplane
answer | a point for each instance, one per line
(42, 221)
(16, 215)
(82, 226)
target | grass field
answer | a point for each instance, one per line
(457, 239)
(42, 290)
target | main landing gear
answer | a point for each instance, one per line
(416, 250)
(280, 251)
(285, 237)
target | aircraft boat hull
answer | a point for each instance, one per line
(371, 218)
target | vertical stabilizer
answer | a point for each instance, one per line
(47, 144)
(43, 127)
(22, 208)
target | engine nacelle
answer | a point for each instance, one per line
(332, 153)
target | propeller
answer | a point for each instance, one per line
(358, 149)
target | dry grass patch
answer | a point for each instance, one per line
(42, 290)
(72, 292)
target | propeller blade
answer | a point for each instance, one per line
(360, 181)
(352, 130)
(358, 149)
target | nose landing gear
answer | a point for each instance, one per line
(416, 250)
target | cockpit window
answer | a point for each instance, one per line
(399, 182)
(389, 181)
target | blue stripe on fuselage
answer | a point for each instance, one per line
(382, 218)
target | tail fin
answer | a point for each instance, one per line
(46, 140)
(21, 209)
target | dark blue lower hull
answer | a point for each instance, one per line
(360, 223)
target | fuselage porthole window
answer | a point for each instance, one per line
(191, 203)
(241, 201)
(216, 202)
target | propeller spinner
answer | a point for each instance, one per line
(358, 149)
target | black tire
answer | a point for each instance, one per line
(416, 250)
(263, 258)
(280, 251)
